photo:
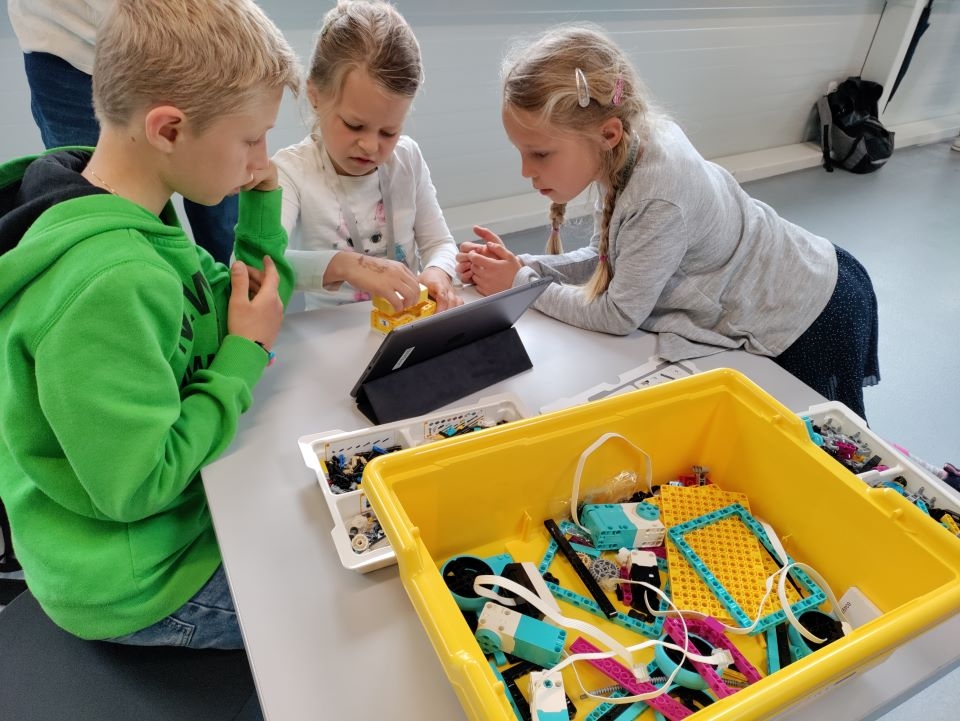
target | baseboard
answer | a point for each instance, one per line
(520, 212)
(926, 131)
(771, 161)
(507, 215)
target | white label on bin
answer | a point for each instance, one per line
(857, 608)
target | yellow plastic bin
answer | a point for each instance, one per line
(481, 495)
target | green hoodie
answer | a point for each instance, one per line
(119, 384)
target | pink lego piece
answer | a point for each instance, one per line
(626, 588)
(669, 707)
(710, 630)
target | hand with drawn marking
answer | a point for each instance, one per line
(440, 288)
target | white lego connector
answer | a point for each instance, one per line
(547, 699)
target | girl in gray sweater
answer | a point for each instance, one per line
(678, 248)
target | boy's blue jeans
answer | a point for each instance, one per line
(208, 620)
(61, 98)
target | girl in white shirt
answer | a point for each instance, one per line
(358, 202)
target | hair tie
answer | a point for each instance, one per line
(603, 258)
(618, 91)
(583, 90)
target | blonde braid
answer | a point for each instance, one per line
(600, 280)
(557, 213)
(624, 159)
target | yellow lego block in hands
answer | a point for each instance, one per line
(384, 318)
(383, 305)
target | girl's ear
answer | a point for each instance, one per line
(611, 130)
(313, 95)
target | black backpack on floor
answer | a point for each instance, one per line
(851, 134)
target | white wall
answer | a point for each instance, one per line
(738, 77)
(741, 78)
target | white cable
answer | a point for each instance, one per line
(719, 658)
(775, 541)
(569, 660)
(787, 566)
(575, 490)
(739, 630)
(781, 577)
(821, 582)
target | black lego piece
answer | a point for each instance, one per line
(582, 571)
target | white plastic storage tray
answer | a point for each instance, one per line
(919, 482)
(319, 449)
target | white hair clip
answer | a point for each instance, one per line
(583, 90)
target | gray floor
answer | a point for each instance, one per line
(903, 224)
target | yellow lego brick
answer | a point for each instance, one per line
(950, 524)
(386, 323)
(728, 548)
(384, 306)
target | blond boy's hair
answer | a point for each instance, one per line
(372, 36)
(574, 78)
(208, 58)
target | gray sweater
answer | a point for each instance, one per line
(694, 259)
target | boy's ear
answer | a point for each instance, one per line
(611, 130)
(163, 125)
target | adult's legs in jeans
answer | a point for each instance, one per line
(61, 99)
(213, 226)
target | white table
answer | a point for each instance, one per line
(319, 636)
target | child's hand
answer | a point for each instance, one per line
(440, 288)
(256, 317)
(388, 279)
(486, 235)
(254, 279)
(264, 179)
(464, 265)
(493, 269)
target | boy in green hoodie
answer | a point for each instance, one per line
(128, 354)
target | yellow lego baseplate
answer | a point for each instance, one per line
(728, 548)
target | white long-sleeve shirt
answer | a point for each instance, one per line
(65, 28)
(314, 220)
